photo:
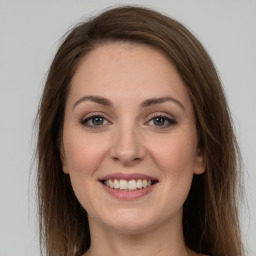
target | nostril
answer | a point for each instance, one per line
(127, 148)
(126, 159)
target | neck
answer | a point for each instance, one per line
(164, 240)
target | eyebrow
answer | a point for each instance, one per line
(97, 99)
(146, 103)
(154, 101)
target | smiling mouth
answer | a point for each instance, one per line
(128, 185)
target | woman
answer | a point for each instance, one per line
(136, 151)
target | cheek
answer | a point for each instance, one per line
(83, 153)
(175, 155)
(176, 159)
(176, 162)
(83, 157)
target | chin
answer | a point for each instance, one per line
(131, 228)
(131, 221)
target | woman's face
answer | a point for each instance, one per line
(129, 138)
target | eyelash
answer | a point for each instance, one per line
(166, 118)
(85, 121)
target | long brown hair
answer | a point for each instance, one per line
(210, 215)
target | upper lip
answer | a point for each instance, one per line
(130, 176)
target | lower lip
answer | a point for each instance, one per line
(128, 195)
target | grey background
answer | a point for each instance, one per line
(29, 36)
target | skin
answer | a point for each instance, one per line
(128, 140)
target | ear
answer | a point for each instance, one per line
(200, 162)
(63, 159)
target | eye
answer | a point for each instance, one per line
(161, 121)
(94, 121)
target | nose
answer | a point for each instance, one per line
(127, 146)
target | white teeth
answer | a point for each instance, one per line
(116, 183)
(139, 183)
(127, 185)
(111, 183)
(144, 183)
(123, 184)
(132, 185)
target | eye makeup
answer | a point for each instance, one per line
(156, 120)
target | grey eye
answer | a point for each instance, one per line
(97, 120)
(94, 121)
(159, 121)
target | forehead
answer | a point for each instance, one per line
(127, 71)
